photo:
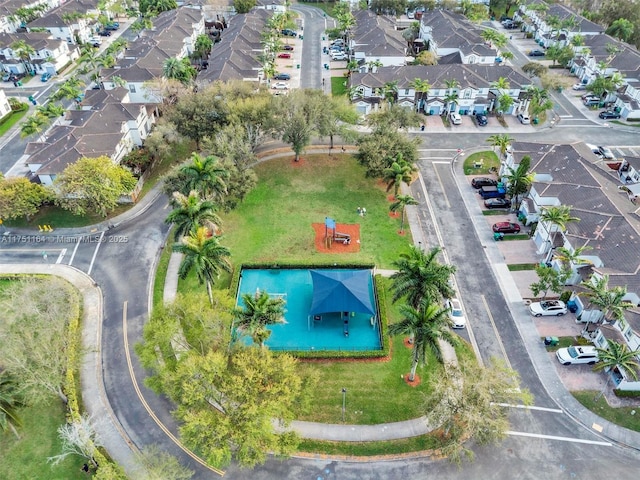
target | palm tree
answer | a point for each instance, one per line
(203, 46)
(173, 68)
(420, 275)
(206, 175)
(51, 110)
(618, 355)
(390, 92)
(399, 204)
(451, 98)
(34, 125)
(609, 301)
(557, 216)
(192, 213)
(260, 310)
(24, 51)
(426, 326)
(621, 29)
(519, 181)
(10, 402)
(501, 84)
(421, 87)
(570, 257)
(502, 141)
(204, 254)
(399, 171)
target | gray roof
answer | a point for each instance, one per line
(376, 36)
(453, 30)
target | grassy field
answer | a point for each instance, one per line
(488, 159)
(338, 87)
(14, 118)
(26, 457)
(622, 416)
(274, 223)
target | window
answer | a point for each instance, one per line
(132, 88)
(406, 91)
(467, 93)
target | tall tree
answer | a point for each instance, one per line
(11, 400)
(260, 310)
(34, 125)
(501, 141)
(206, 176)
(556, 218)
(419, 275)
(21, 198)
(191, 213)
(617, 355)
(204, 255)
(79, 437)
(422, 88)
(519, 181)
(377, 150)
(549, 279)
(298, 113)
(400, 171)
(621, 29)
(24, 51)
(426, 326)
(400, 204)
(467, 402)
(93, 185)
(610, 301)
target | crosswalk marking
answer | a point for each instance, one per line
(562, 439)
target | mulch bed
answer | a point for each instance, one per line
(352, 229)
(416, 380)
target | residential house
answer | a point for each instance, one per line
(376, 41)
(5, 106)
(609, 228)
(51, 55)
(71, 22)
(10, 20)
(454, 39)
(474, 91)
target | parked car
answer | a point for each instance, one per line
(548, 308)
(455, 118)
(280, 86)
(46, 76)
(506, 227)
(112, 26)
(492, 192)
(481, 119)
(579, 86)
(605, 152)
(495, 203)
(483, 182)
(104, 33)
(338, 41)
(284, 55)
(456, 314)
(287, 48)
(524, 118)
(536, 53)
(287, 32)
(339, 56)
(282, 76)
(608, 114)
(589, 96)
(5, 77)
(577, 354)
(592, 102)
(95, 42)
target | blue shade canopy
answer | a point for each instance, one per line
(341, 291)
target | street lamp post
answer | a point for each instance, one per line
(344, 402)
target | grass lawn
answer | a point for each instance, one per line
(273, 224)
(14, 118)
(161, 272)
(517, 267)
(620, 416)
(488, 159)
(338, 87)
(415, 444)
(27, 457)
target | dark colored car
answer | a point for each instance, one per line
(609, 114)
(282, 76)
(492, 203)
(492, 192)
(506, 227)
(483, 182)
(536, 53)
(289, 33)
(104, 33)
(481, 118)
(288, 48)
(284, 55)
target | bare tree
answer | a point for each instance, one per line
(78, 438)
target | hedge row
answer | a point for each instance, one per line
(626, 393)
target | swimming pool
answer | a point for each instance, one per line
(352, 331)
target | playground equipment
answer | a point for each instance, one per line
(331, 235)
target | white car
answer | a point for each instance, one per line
(524, 118)
(577, 354)
(339, 56)
(579, 86)
(456, 314)
(455, 118)
(548, 308)
(280, 86)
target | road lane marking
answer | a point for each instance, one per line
(561, 439)
(61, 256)
(144, 403)
(75, 249)
(495, 330)
(95, 253)
(528, 407)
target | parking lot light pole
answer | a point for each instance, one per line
(344, 402)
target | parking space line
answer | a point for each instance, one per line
(562, 439)
(529, 407)
(75, 249)
(61, 256)
(95, 253)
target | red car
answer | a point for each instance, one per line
(284, 55)
(506, 227)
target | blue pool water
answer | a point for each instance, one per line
(303, 332)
